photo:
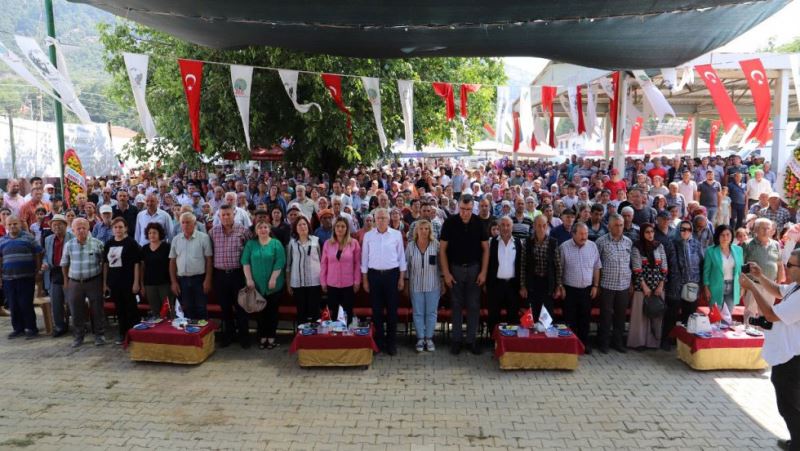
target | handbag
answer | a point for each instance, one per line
(654, 306)
(251, 301)
(690, 291)
(698, 323)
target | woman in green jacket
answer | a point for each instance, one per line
(721, 269)
(263, 260)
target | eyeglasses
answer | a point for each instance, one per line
(685, 230)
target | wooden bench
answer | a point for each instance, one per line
(47, 313)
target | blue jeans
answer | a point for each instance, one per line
(425, 304)
(19, 297)
(193, 300)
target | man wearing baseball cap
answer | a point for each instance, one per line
(102, 230)
(51, 268)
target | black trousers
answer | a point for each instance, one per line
(345, 297)
(234, 319)
(125, 305)
(307, 300)
(786, 380)
(383, 293)
(737, 216)
(578, 311)
(539, 295)
(613, 306)
(502, 293)
(268, 318)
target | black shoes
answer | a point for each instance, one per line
(15, 334)
(619, 348)
(455, 348)
(59, 333)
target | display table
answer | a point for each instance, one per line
(537, 352)
(729, 350)
(164, 343)
(333, 349)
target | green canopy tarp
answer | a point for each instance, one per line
(613, 34)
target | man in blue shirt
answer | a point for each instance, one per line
(736, 191)
(20, 257)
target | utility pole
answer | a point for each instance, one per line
(51, 31)
(11, 141)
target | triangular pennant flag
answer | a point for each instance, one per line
(15, 63)
(242, 80)
(289, 79)
(333, 83)
(714, 315)
(572, 98)
(54, 78)
(192, 76)
(636, 130)
(727, 111)
(517, 131)
(445, 91)
(670, 77)
(687, 78)
(538, 128)
(326, 314)
(712, 147)
(178, 309)
(405, 89)
(591, 110)
(526, 115)
(503, 107)
(466, 89)
(756, 77)
(579, 107)
(545, 318)
(341, 316)
(727, 318)
(136, 65)
(548, 96)
(655, 98)
(373, 88)
(526, 320)
(614, 105)
(687, 133)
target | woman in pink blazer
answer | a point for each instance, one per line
(340, 269)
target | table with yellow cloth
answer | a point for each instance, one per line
(537, 352)
(165, 343)
(333, 349)
(728, 350)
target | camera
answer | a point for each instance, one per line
(760, 322)
(746, 268)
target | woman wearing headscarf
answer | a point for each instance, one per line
(649, 260)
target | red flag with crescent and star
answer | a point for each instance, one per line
(727, 111)
(164, 313)
(548, 95)
(636, 131)
(333, 83)
(614, 105)
(712, 140)
(526, 320)
(714, 315)
(687, 133)
(192, 75)
(759, 88)
(466, 89)
(445, 91)
(326, 314)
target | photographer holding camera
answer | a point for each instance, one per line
(782, 342)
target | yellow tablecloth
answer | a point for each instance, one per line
(538, 361)
(721, 358)
(334, 357)
(157, 352)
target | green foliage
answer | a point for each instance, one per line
(320, 138)
(790, 47)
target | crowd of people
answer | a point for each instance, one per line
(645, 245)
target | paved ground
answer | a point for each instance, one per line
(54, 397)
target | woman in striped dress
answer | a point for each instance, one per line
(422, 255)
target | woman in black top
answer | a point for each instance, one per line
(280, 229)
(121, 259)
(155, 269)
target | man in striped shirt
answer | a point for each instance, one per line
(81, 264)
(20, 256)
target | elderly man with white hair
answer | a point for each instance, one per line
(766, 252)
(240, 216)
(151, 214)
(755, 187)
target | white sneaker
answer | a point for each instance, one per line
(420, 345)
(429, 345)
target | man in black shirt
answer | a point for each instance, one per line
(464, 266)
(126, 211)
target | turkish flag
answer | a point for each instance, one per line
(633, 144)
(326, 314)
(759, 88)
(548, 95)
(192, 75)
(712, 140)
(333, 83)
(517, 131)
(579, 105)
(466, 89)
(714, 316)
(727, 111)
(687, 133)
(614, 106)
(164, 313)
(526, 320)
(445, 91)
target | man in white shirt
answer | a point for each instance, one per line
(687, 186)
(383, 268)
(240, 215)
(505, 280)
(12, 199)
(152, 214)
(782, 341)
(305, 204)
(756, 186)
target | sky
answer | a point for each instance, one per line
(782, 26)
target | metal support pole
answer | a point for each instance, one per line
(780, 116)
(11, 141)
(51, 31)
(695, 134)
(606, 136)
(622, 102)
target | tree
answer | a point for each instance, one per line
(320, 138)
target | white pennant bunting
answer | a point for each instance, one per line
(591, 110)
(372, 86)
(655, 98)
(136, 66)
(670, 76)
(242, 80)
(502, 115)
(794, 62)
(289, 79)
(62, 63)
(526, 115)
(15, 63)
(61, 85)
(686, 79)
(405, 88)
(538, 128)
